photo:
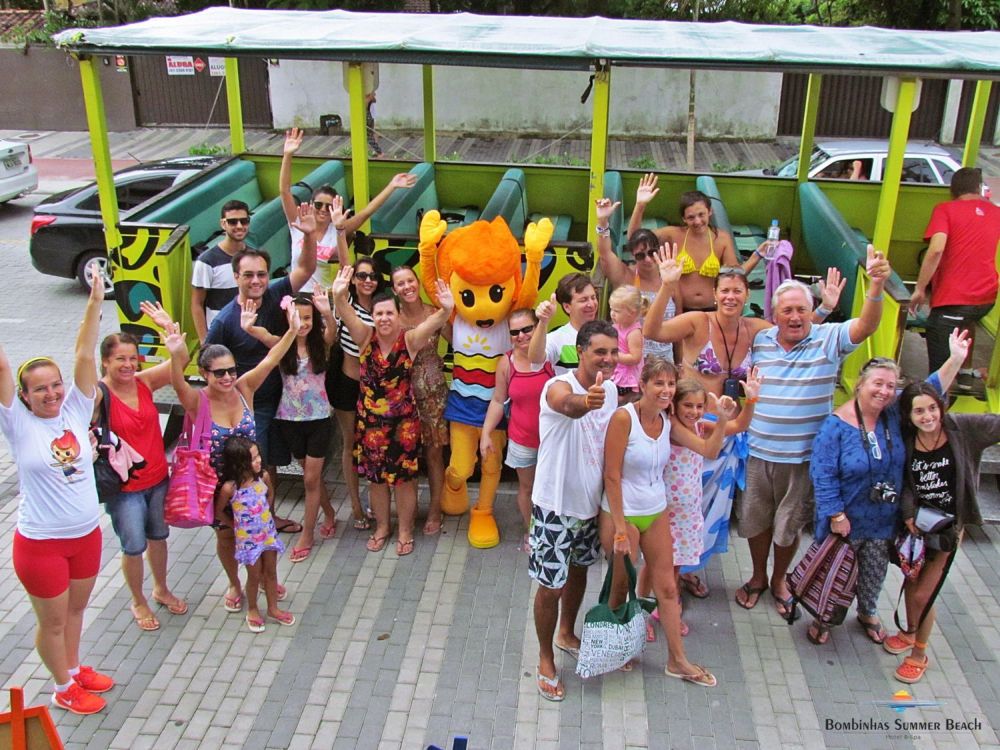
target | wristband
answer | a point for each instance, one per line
(751, 401)
(874, 299)
(822, 311)
(759, 254)
(838, 518)
(621, 538)
(603, 231)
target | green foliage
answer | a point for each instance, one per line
(722, 166)
(642, 162)
(563, 160)
(55, 21)
(344, 152)
(208, 149)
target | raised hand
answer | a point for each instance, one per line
(605, 209)
(831, 289)
(546, 309)
(536, 238)
(722, 406)
(432, 229)
(445, 298)
(337, 213)
(751, 386)
(156, 313)
(342, 284)
(321, 300)
(293, 140)
(294, 319)
(876, 265)
(647, 189)
(305, 222)
(248, 315)
(403, 180)
(174, 340)
(595, 394)
(959, 342)
(666, 260)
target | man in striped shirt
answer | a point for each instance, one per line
(799, 363)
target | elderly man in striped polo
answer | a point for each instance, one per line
(799, 363)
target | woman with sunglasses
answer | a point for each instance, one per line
(715, 350)
(331, 216)
(229, 399)
(520, 382)
(343, 384)
(943, 454)
(857, 472)
(645, 276)
(430, 389)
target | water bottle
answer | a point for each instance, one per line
(773, 237)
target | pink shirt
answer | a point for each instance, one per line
(627, 376)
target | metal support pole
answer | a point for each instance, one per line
(892, 172)
(809, 117)
(598, 146)
(430, 143)
(359, 138)
(974, 135)
(236, 136)
(93, 101)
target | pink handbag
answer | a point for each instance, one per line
(190, 498)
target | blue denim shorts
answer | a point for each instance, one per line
(138, 517)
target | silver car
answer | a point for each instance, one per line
(926, 163)
(17, 174)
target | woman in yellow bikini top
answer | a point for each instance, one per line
(710, 268)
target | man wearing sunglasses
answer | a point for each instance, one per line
(212, 281)
(251, 271)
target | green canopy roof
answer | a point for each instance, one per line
(547, 42)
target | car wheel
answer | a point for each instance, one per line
(95, 262)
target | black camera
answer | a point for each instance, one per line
(883, 492)
(731, 388)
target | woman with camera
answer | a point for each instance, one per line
(857, 471)
(938, 498)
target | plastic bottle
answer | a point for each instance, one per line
(773, 237)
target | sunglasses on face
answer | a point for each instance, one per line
(223, 371)
(242, 221)
(322, 205)
(366, 276)
(515, 332)
(642, 255)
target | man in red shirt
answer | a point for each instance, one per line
(958, 277)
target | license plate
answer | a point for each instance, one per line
(12, 162)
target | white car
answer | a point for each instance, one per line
(17, 174)
(926, 163)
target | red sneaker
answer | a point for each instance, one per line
(78, 701)
(93, 682)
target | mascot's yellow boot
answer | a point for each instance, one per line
(454, 502)
(483, 531)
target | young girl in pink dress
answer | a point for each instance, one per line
(626, 305)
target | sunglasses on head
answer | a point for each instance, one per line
(366, 276)
(515, 332)
(732, 271)
(223, 371)
(242, 221)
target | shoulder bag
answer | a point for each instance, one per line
(190, 498)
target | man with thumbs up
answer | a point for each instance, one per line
(576, 408)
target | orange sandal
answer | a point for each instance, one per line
(898, 644)
(912, 669)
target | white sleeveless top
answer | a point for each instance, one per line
(643, 489)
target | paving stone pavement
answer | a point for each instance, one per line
(393, 652)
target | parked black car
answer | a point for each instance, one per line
(67, 234)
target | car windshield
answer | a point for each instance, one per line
(790, 166)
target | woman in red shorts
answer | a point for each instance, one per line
(57, 544)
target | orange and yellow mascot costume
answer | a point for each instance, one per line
(481, 263)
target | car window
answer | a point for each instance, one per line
(918, 170)
(791, 166)
(844, 169)
(945, 170)
(131, 194)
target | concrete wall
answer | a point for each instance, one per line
(643, 102)
(41, 91)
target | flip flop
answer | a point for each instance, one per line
(282, 593)
(691, 583)
(818, 633)
(148, 624)
(431, 528)
(786, 608)
(255, 624)
(703, 678)
(749, 591)
(285, 618)
(376, 543)
(232, 604)
(404, 548)
(327, 530)
(177, 607)
(289, 526)
(362, 524)
(300, 554)
(571, 650)
(874, 630)
(550, 688)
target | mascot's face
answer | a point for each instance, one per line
(482, 305)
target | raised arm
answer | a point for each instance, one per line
(958, 345)
(321, 301)
(829, 292)
(537, 236)
(536, 347)
(420, 336)
(248, 320)
(250, 381)
(156, 376)
(293, 140)
(402, 180)
(432, 229)
(174, 341)
(678, 327)
(871, 312)
(646, 192)
(613, 268)
(725, 409)
(85, 360)
(306, 265)
(336, 218)
(359, 332)
(560, 398)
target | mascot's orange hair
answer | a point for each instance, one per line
(481, 253)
